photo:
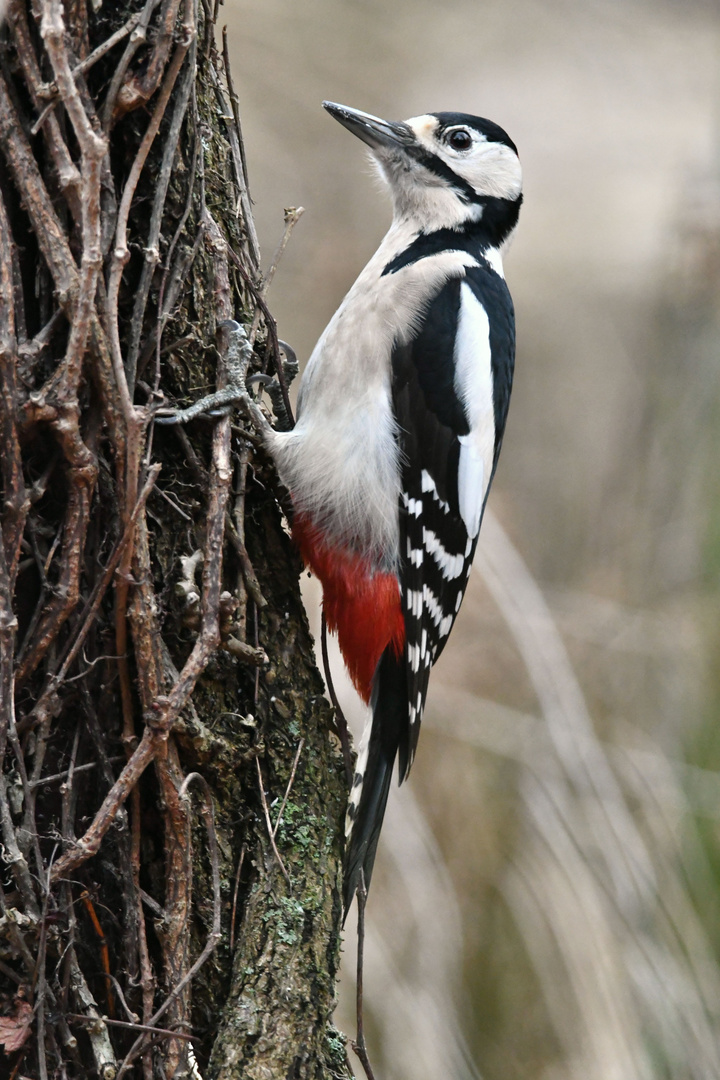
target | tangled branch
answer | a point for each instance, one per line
(98, 119)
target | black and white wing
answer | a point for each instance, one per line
(451, 389)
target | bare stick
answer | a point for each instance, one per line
(208, 814)
(163, 1032)
(168, 707)
(88, 62)
(291, 218)
(236, 890)
(97, 1029)
(268, 822)
(289, 786)
(234, 132)
(359, 1045)
(121, 252)
(91, 608)
(67, 171)
(152, 251)
(248, 573)
(89, 844)
(137, 39)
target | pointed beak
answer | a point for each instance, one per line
(378, 134)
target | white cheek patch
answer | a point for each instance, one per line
(474, 387)
(494, 171)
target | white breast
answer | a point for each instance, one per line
(341, 461)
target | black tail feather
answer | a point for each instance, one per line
(389, 733)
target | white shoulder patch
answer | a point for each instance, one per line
(474, 387)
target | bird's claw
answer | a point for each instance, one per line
(235, 394)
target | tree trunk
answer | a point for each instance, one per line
(149, 605)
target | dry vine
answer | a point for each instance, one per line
(108, 206)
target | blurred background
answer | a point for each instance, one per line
(546, 897)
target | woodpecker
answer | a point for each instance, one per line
(401, 414)
(400, 419)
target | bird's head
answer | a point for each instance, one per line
(445, 170)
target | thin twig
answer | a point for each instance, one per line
(163, 1032)
(87, 63)
(289, 785)
(88, 616)
(359, 1045)
(234, 133)
(160, 186)
(248, 573)
(268, 822)
(208, 814)
(40, 980)
(271, 329)
(236, 890)
(166, 300)
(121, 252)
(57, 777)
(291, 217)
(137, 39)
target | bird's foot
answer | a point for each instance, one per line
(234, 395)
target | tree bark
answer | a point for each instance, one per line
(172, 792)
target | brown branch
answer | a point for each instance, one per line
(93, 147)
(216, 932)
(89, 844)
(57, 403)
(121, 252)
(138, 38)
(89, 613)
(168, 708)
(248, 573)
(152, 251)
(46, 227)
(84, 65)
(81, 483)
(15, 500)
(141, 87)
(173, 932)
(65, 168)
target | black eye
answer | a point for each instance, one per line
(460, 139)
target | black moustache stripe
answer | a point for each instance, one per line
(438, 167)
